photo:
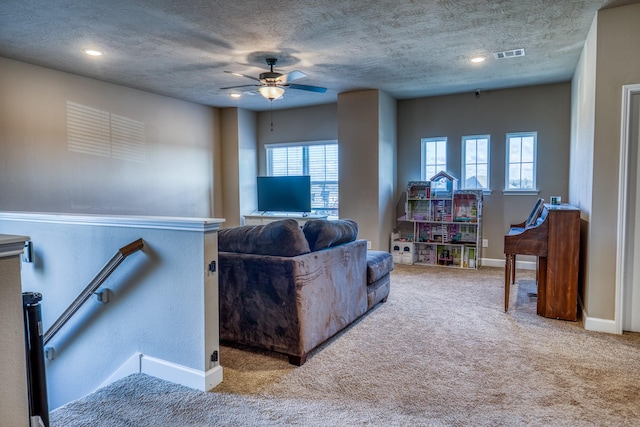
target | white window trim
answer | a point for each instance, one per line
(487, 190)
(521, 192)
(423, 172)
(293, 144)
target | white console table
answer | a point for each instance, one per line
(260, 219)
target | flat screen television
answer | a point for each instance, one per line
(284, 193)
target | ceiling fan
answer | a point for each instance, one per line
(272, 84)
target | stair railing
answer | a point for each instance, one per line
(94, 284)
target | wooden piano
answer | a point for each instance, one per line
(552, 234)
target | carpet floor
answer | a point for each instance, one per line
(440, 352)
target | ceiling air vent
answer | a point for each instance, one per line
(514, 53)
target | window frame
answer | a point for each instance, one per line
(423, 156)
(332, 212)
(517, 191)
(463, 180)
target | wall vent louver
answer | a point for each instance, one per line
(513, 53)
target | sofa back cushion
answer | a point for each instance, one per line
(326, 233)
(278, 238)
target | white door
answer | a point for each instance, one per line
(631, 283)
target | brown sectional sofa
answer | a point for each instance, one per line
(288, 289)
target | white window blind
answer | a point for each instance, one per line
(319, 161)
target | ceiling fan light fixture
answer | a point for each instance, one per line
(271, 92)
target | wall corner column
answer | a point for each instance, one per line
(367, 141)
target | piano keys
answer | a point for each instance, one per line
(552, 234)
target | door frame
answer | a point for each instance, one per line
(621, 260)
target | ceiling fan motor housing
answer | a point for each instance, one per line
(270, 75)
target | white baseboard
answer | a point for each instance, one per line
(200, 380)
(131, 366)
(169, 371)
(599, 325)
(492, 262)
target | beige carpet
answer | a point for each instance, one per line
(440, 352)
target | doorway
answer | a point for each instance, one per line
(628, 271)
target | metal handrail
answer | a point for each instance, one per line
(94, 284)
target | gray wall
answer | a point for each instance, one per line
(545, 109)
(39, 173)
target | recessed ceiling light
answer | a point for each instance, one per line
(477, 59)
(235, 95)
(92, 52)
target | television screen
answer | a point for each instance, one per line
(284, 193)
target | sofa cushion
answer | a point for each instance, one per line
(278, 238)
(379, 264)
(322, 233)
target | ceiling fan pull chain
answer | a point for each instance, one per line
(272, 115)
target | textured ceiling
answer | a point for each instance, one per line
(407, 48)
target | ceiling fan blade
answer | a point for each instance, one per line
(242, 75)
(289, 77)
(309, 88)
(240, 87)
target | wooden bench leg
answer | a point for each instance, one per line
(507, 280)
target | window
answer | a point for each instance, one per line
(319, 160)
(475, 162)
(521, 161)
(434, 157)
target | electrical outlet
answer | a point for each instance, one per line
(485, 243)
(368, 244)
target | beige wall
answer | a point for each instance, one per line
(239, 164)
(387, 172)
(367, 131)
(583, 104)
(545, 109)
(358, 127)
(13, 392)
(617, 63)
(317, 123)
(39, 173)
